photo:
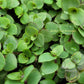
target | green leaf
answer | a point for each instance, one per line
(39, 3)
(76, 57)
(61, 73)
(33, 38)
(34, 48)
(42, 15)
(49, 76)
(9, 49)
(22, 58)
(68, 64)
(47, 35)
(3, 12)
(25, 18)
(53, 46)
(48, 1)
(59, 3)
(11, 62)
(12, 29)
(2, 61)
(78, 38)
(63, 55)
(67, 29)
(54, 6)
(45, 57)
(31, 5)
(66, 4)
(81, 31)
(12, 3)
(72, 75)
(64, 16)
(49, 67)
(22, 45)
(13, 82)
(80, 65)
(27, 52)
(77, 16)
(48, 18)
(26, 38)
(27, 72)
(52, 27)
(1, 34)
(19, 11)
(19, 28)
(39, 51)
(24, 6)
(67, 38)
(71, 47)
(57, 50)
(10, 18)
(31, 60)
(39, 23)
(81, 79)
(4, 22)
(3, 4)
(35, 76)
(52, 13)
(29, 46)
(39, 42)
(10, 40)
(58, 19)
(15, 76)
(32, 31)
(47, 81)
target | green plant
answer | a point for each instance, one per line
(41, 41)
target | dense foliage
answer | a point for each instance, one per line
(41, 41)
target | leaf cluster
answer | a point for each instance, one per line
(41, 41)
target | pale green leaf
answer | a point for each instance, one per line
(57, 50)
(12, 3)
(45, 57)
(68, 64)
(15, 76)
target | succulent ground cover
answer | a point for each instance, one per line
(41, 41)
